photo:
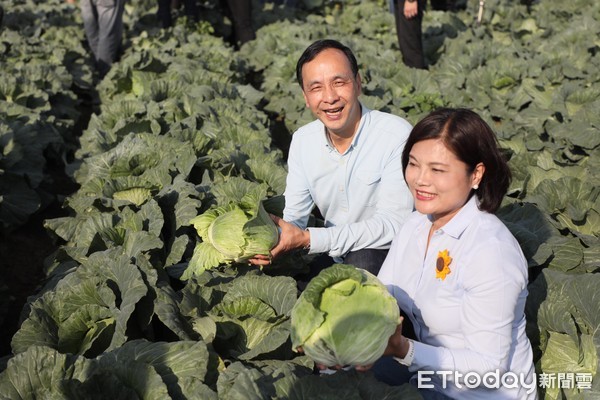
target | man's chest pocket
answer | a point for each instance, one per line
(367, 186)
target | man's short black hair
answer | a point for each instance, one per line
(317, 47)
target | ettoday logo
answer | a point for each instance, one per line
(471, 380)
(510, 380)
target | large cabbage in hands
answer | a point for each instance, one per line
(233, 233)
(345, 316)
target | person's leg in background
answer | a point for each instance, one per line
(191, 10)
(409, 33)
(110, 33)
(241, 14)
(442, 5)
(164, 13)
(89, 15)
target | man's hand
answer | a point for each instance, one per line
(290, 238)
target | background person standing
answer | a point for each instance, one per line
(408, 15)
(164, 13)
(103, 24)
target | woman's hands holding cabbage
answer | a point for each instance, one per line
(397, 347)
(344, 317)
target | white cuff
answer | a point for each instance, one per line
(410, 354)
(319, 240)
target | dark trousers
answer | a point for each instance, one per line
(241, 15)
(164, 13)
(409, 35)
(367, 259)
(103, 24)
(389, 371)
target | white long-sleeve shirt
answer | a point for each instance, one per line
(361, 194)
(473, 320)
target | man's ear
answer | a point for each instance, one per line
(305, 99)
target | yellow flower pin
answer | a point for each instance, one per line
(442, 265)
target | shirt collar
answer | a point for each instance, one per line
(363, 117)
(457, 225)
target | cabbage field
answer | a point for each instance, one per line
(186, 121)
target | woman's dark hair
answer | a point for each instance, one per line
(472, 140)
(317, 47)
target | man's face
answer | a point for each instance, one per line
(331, 92)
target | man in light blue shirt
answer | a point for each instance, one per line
(347, 164)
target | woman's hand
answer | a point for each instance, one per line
(320, 367)
(397, 347)
(397, 344)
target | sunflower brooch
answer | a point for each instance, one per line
(442, 265)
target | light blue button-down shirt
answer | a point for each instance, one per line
(361, 194)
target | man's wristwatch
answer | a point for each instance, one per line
(410, 354)
(307, 246)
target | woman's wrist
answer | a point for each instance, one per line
(406, 352)
(404, 347)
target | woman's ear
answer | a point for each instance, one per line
(477, 175)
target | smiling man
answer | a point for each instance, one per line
(346, 163)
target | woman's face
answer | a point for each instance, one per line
(439, 182)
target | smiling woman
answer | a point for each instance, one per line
(453, 262)
(439, 181)
(459, 143)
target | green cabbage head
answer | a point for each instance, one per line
(233, 233)
(345, 316)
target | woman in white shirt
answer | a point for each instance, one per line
(456, 271)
